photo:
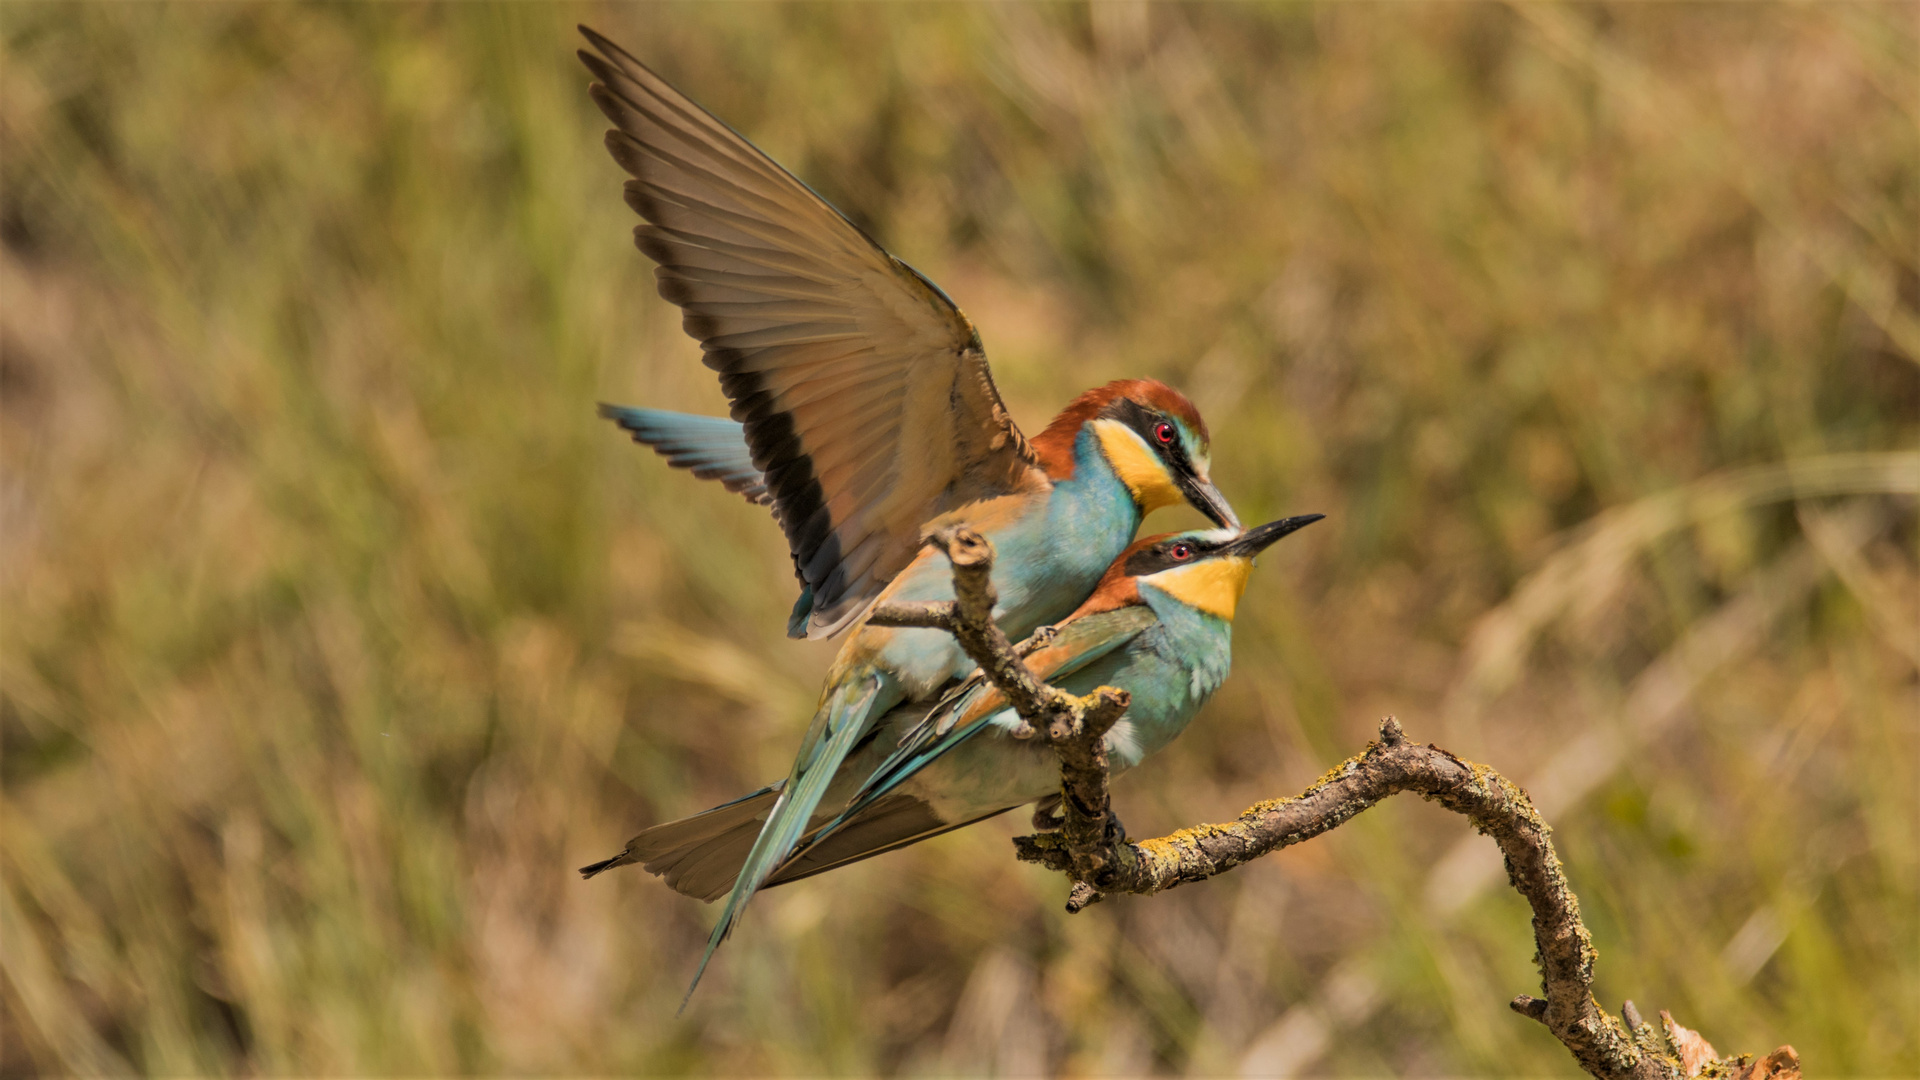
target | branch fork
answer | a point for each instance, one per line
(1076, 727)
(1091, 848)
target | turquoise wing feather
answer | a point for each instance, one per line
(713, 448)
(966, 710)
(845, 719)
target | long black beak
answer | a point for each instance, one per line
(1207, 499)
(1257, 539)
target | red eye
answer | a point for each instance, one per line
(1181, 552)
(1163, 431)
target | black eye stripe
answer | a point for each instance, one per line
(1143, 420)
(1176, 452)
(1161, 556)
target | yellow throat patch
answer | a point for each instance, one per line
(1137, 466)
(1213, 586)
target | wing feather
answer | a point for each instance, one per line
(963, 713)
(864, 395)
(711, 446)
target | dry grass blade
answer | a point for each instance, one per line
(1467, 870)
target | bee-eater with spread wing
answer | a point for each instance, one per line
(864, 413)
(869, 420)
(1158, 626)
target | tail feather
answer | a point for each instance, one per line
(704, 863)
(688, 853)
(847, 717)
(711, 872)
(888, 824)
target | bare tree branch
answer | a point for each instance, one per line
(1095, 854)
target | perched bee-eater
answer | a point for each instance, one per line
(1159, 626)
(865, 416)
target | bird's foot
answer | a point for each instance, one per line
(1039, 639)
(1047, 814)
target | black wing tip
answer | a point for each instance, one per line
(600, 67)
(591, 869)
(595, 38)
(607, 61)
(610, 51)
(600, 45)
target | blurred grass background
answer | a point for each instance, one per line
(338, 631)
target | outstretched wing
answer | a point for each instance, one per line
(863, 390)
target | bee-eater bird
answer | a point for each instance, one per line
(864, 414)
(1158, 626)
(870, 420)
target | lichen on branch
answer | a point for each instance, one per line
(1092, 850)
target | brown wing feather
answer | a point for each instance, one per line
(864, 391)
(888, 825)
